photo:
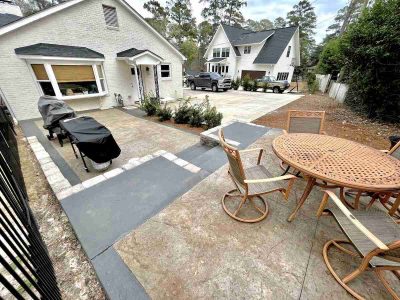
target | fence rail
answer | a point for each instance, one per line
(26, 271)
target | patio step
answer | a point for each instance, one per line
(193, 152)
(211, 160)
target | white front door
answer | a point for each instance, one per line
(135, 87)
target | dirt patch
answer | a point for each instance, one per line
(340, 121)
(185, 127)
(74, 273)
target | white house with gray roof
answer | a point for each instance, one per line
(83, 52)
(236, 52)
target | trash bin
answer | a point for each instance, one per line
(394, 139)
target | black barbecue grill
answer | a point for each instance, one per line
(53, 111)
(92, 139)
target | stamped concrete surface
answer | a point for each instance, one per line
(136, 138)
(194, 250)
(241, 105)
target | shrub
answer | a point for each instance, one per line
(197, 115)
(254, 86)
(371, 61)
(183, 112)
(236, 84)
(264, 87)
(150, 105)
(212, 117)
(246, 83)
(312, 83)
(164, 113)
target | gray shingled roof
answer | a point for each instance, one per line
(275, 45)
(8, 18)
(43, 49)
(217, 59)
(133, 52)
(277, 40)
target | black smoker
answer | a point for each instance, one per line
(53, 111)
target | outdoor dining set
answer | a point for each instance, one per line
(346, 172)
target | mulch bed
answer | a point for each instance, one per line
(186, 127)
(340, 121)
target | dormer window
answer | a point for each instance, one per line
(288, 51)
(247, 50)
(110, 16)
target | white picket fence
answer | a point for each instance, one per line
(335, 89)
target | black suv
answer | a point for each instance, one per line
(211, 80)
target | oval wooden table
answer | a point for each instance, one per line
(337, 162)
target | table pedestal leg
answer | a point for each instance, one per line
(307, 191)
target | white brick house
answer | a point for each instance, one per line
(85, 51)
(236, 52)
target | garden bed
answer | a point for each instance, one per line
(340, 121)
(184, 127)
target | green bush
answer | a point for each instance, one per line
(370, 48)
(212, 117)
(164, 113)
(150, 105)
(246, 83)
(236, 84)
(197, 115)
(264, 87)
(254, 86)
(312, 83)
(183, 112)
(330, 59)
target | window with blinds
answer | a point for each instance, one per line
(110, 16)
(282, 76)
(70, 80)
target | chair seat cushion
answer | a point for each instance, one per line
(260, 172)
(376, 221)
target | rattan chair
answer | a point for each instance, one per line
(303, 122)
(373, 234)
(251, 182)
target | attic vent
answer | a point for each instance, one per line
(110, 15)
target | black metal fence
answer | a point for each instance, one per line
(26, 270)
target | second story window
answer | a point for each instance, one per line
(225, 52)
(110, 16)
(217, 52)
(247, 49)
(288, 51)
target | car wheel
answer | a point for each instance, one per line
(276, 90)
(225, 90)
(192, 86)
(214, 88)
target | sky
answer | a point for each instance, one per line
(268, 9)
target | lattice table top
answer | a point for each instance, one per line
(339, 161)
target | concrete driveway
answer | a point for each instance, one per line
(241, 105)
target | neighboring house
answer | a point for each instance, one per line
(83, 52)
(237, 52)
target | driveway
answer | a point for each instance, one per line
(246, 106)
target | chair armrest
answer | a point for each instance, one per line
(384, 151)
(285, 131)
(353, 219)
(251, 150)
(263, 180)
(324, 132)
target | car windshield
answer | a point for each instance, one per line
(215, 75)
(272, 78)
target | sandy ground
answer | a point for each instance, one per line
(340, 121)
(75, 275)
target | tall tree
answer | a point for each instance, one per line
(190, 50)
(183, 24)
(204, 35)
(279, 22)
(263, 24)
(212, 11)
(303, 15)
(159, 20)
(232, 12)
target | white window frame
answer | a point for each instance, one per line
(225, 52)
(170, 71)
(247, 50)
(52, 78)
(218, 54)
(116, 14)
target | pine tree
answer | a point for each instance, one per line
(183, 24)
(263, 24)
(160, 16)
(232, 14)
(279, 22)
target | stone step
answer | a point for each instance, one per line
(193, 152)
(211, 160)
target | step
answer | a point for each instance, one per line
(211, 160)
(193, 152)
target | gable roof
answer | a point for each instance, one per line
(7, 18)
(43, 49)
(275, 45)
(276, 41)
(65, 4)
(132, 52)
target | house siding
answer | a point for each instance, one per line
(83, 25)
(245, 61)
(284, 63)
